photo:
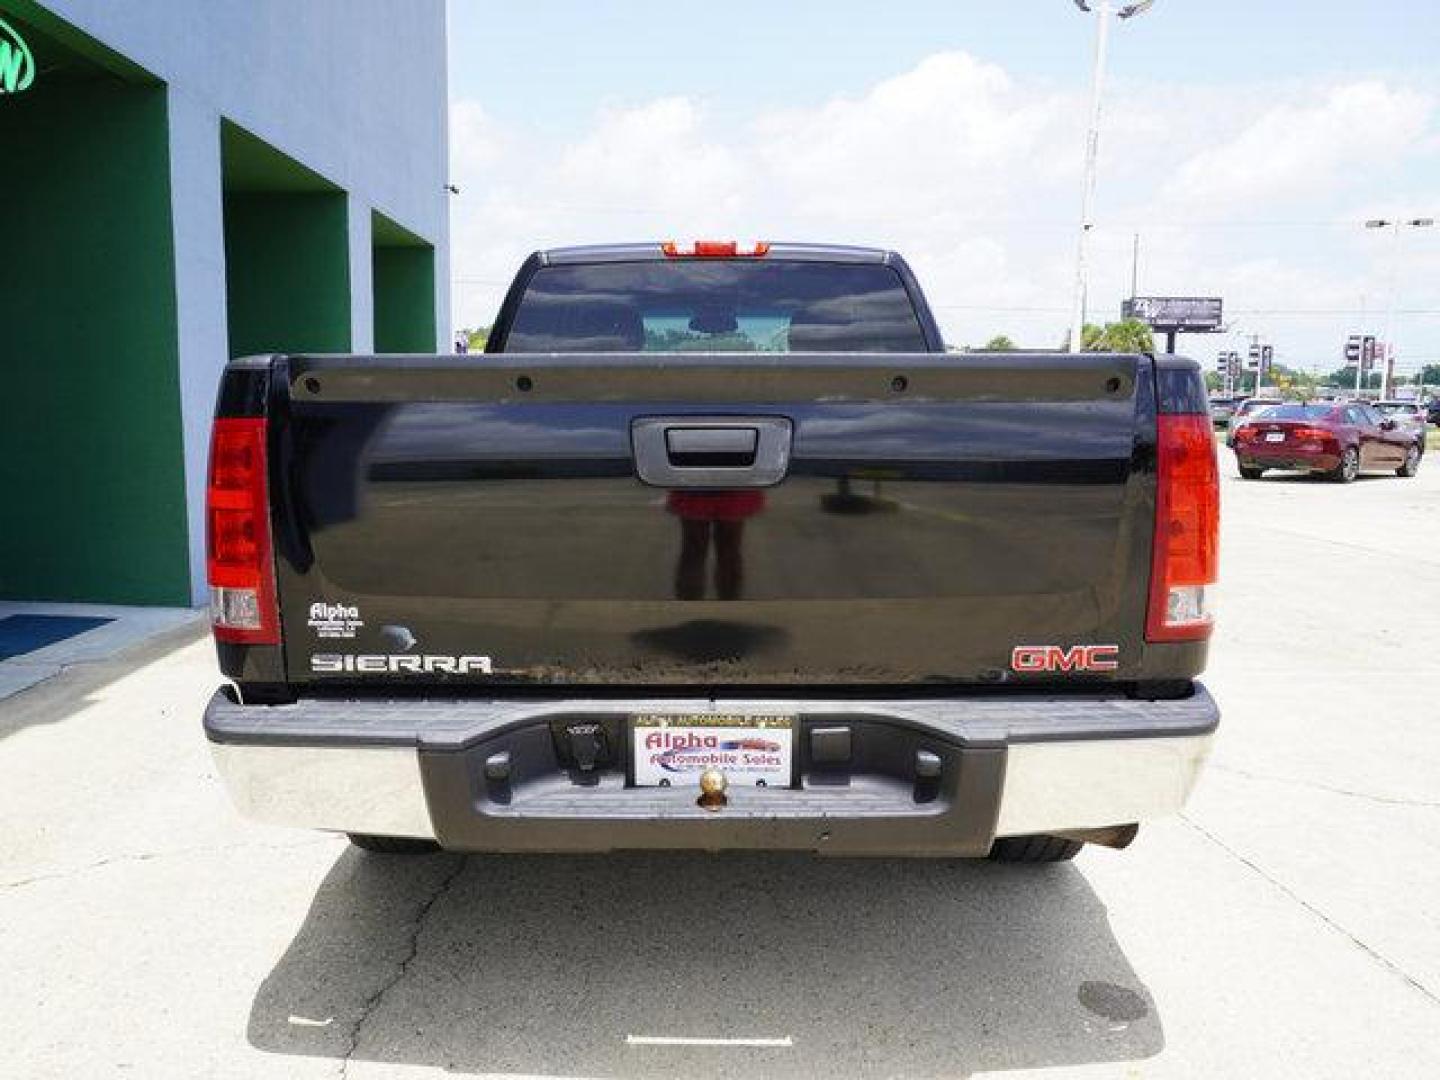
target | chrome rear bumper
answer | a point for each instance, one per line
(1007, 766)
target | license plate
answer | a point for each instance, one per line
(1275, 436)
(752, 750)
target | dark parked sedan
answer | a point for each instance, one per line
(1337, 439)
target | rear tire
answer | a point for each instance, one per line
(1349, 466)
(393, 845)
(1412, 462)
(1034, 849)
(1251, 472)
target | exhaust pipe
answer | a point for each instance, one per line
(1111, 836)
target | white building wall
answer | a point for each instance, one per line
(354, 89)
(200, 308)
(362, 279)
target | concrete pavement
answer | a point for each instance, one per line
(1288, 925)
(121, 628)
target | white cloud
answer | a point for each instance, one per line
(950, 135)
(972, 174)
(1303, 151)
(656, 156)
(477, 144)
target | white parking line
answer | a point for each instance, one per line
(680, 1040)
(305, 1021)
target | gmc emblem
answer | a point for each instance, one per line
(1035, 658)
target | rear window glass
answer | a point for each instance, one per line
(1294, 412)
(1397, 408)
(705, 305)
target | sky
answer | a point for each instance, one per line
(1245, 143)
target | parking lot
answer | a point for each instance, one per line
(1289, 925)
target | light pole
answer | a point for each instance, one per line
(1395, 228)
(1103, 9)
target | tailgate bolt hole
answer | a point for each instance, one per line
(928, 765)
(524, 384)
(312, 384)
(497, 767)
(899, 384)
(1112, 385)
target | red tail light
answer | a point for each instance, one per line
(715, 249)
(238, 559)
(1187, 531)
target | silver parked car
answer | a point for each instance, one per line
(1221, 410)
(1245, 412)
(1408, 416)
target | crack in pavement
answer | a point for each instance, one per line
(148, 856)
(1379, 957)
(1385, 800)
(412, 949)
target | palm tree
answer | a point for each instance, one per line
(1126, 336)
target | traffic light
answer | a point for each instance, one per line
(1227, 366)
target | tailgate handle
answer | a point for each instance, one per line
(711, 452)
(690, 447)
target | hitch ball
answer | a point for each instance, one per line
(712, 789)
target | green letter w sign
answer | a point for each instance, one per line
(17, 66)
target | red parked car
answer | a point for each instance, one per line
(1337, 438)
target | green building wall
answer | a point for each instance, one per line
(404, 282)
(95, 422)
(91, 455)
(287, 272)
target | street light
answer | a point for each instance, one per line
(1396, 226)
(1103, 9)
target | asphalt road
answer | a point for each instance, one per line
(1288, 925)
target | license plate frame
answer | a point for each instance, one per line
(697, 741)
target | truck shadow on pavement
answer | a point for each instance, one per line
(78, 683)
(547, 965)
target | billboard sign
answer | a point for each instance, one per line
(1192, 314)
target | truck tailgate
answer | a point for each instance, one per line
(929, 514)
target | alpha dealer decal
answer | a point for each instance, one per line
(334, 620)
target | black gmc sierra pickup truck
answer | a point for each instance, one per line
(715, 547)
